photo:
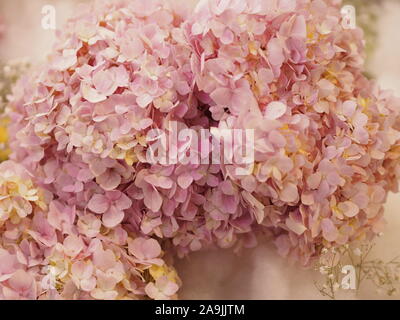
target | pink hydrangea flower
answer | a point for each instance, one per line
(326, 142)
(47, 251)
(326, 137)
(116, 77)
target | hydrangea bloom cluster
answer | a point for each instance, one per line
(120, 69)
(326, 147)
(44, 255)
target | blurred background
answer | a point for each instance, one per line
(258, 273)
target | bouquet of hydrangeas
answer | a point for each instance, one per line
(87, 215)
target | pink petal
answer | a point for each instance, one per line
(185, 180)
(123, 202)
(349, 209)
(227, 37)
(153, 200)
(73, 245)
(275, 110)
(299, 28)
(349, 107)
(289, 193)
(159, 181)
(104, 83)
(144, 100)
(314, 180)
(329, 230)
(98, 167)
(21, 281)
(295, 226)
(98, 204)
(145, 248)
(109, 180)
(82, 270)
(222, 96)
(275, 52)
(112, 218)
(90, 94)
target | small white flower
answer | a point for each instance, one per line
(323, 270)
(336, 286)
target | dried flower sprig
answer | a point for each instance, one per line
(334, 263)
(367, 13)
(9, 74)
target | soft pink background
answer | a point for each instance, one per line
(259, 273)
